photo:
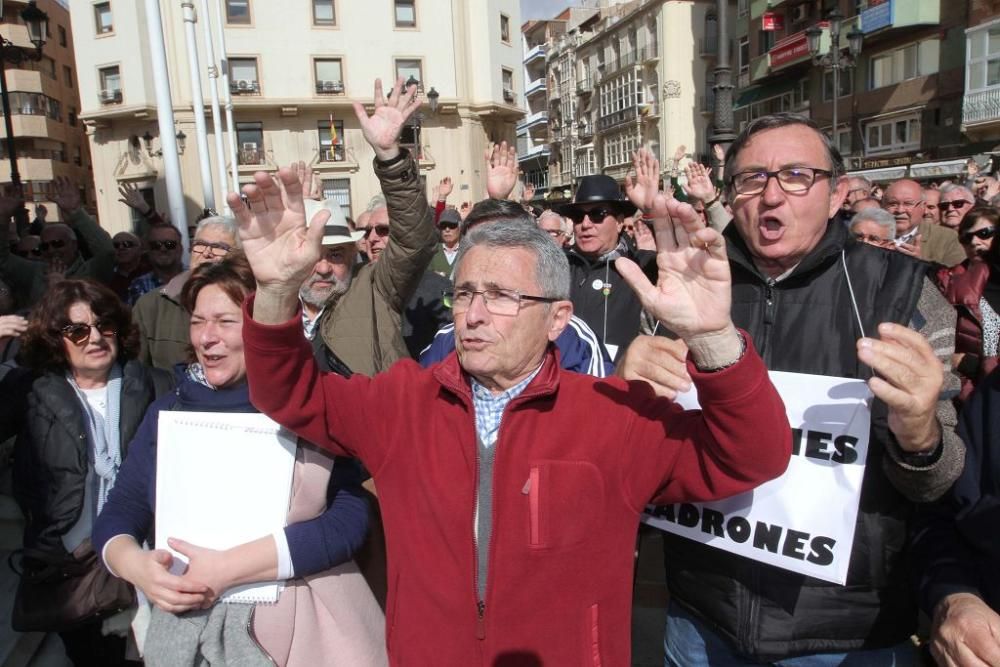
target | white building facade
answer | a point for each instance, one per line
(295, 68)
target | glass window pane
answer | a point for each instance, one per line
(243, 69)
(993, 72)
(977, 75)
(339, 189)
(914, 135)
(407, 69)
(238, 11)
(323, 12)
(406, 14)
(993, 41)
(102, 16)
(873, 136)
(328, 70)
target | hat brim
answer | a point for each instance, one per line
(353, 237)
(618, 206)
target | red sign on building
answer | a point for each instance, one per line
(772, 21)
(790, 49)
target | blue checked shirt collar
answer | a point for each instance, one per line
(489, 408)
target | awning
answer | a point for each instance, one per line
(887, 174)
(938, 169)
(749, 96)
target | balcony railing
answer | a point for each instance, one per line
(244, 87)
(584, 130)
(251, 156)
(533, 119)
(537, 51)
(584, 85)
(110, 96)
(329, 88)
(534, 87)
(981, 107)
(617, 118)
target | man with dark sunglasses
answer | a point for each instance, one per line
(164, 251)
(447, 224)
(956, 201)
(599, 294)
(59, 247)
(130, 262)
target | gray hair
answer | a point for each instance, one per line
(774, 121)
(864, 182)
(375, 203)
(549, 213)
(879, 216)
(551, 265)
(954, 187)
(224, 223)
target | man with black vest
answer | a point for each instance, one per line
(600, 296)
(818, 302)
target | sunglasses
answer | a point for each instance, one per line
(123, 244)
(448, 225)
(209, 249)
(957, 204)
(984, 233)
(45, 245)
(163, 245)
(78, 332)
(381, 230)
(596, 215)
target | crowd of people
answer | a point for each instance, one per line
(487, 397)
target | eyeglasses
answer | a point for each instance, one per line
(381, 230)
(448, 225)
(870, 238)
(792, 180)
(497, 301)
(45, 245)
(907, 205)
(206, 249)
(596, 215)
(163, 245)
(118, 245)
(957, 204)
(984, 234)
(79, 332)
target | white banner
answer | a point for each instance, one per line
(804, 520)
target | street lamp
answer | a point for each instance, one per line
(37, 23)
(432, 99)
(834, 59)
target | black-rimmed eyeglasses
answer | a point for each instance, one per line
(793, 180)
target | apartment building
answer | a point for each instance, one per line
(628, 75)
(295, 70)
(533, 131)
(899, 106)
(48, 138)
(981, 102)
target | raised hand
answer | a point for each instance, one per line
(501, 170)
(528, 193)
(642, 189)
(692, 292)
(699, 182)
(445, 187)
(909, 381)
(719, 152)
(281, 251)
(55, 271)
(311, 187)
(382, 129)
(67, 195)
(644, 236)
(132, 197)
(12, 326)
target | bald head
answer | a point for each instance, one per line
(905, 200)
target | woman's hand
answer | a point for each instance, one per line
(149, 571)
(206, 567)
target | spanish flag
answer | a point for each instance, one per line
(333, 132)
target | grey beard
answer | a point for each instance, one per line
(322, 298)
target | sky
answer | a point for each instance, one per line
(541, 9)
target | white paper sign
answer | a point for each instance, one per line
(222, 479)
(804, 520)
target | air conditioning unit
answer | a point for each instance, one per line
(249, 146)
(508, 95)
(799, 13)
(244, 86)
(329, 87)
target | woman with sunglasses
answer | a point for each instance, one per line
(326, 613)
(975, 293)
(84, 407)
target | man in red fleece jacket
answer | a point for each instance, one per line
(511, 490)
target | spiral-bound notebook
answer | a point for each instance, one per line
(222, 479)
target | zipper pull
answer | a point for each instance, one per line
(527, 487)
(480, 620)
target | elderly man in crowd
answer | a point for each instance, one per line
(59, 247)
(956, 201)
(914, 235)
(555, 226)
(822, 304)
(874, 226)
(932, 209)
(512, 544)
(130, 263)
(447, 224)
(164, 325)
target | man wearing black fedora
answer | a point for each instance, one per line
(600, 296)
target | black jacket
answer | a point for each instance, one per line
(956, 545)
(617, 316)
(50, 455)
(806, 324)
